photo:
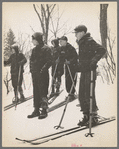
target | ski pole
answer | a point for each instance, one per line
(59, 126)
(71, 76)
(91, 96)
(17, 86)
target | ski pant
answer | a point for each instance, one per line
(15, 83)
(40, 89)
(68, 80)
(57, 75)
(84, 92)
(57, 81)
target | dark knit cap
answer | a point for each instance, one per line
(15, 47)
(38, 36)
(63, 38)
(56, 42)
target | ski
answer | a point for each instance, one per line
(50, 100)
(58, 105)
(13, 104)
(65, 132)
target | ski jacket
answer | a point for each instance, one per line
(40, 59)
(16, 60)
(56, 53)
(69, 53)
(90, 53)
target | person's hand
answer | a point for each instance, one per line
(57, 61)
(67, 62)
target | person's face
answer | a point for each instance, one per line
(79, 35)
(35, 42)
(63, 42)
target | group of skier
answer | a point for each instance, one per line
(62, 58)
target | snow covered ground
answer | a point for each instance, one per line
(16, 124)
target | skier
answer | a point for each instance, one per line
(16, 60)
(69, 56)
(90, 53)
(40, 61)
(57, 67)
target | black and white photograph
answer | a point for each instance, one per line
(59, 74)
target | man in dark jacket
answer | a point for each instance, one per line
(69, 57)
(17, 61)
(90, 53)
(57, 66)
(40, 62)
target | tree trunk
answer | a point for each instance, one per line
(103, 24)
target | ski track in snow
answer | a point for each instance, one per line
(16, 123)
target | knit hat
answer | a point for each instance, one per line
(38, 36)
(63, 38)
(56, 42)
(15, 47)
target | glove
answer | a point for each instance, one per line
(57, 61)
(67, 62)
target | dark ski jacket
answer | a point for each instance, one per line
(56, 53)
(90, 53)
(16, 60)
(40, 59)
(69, 53)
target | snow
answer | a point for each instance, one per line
(16, 124)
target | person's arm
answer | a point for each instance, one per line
(22, 59)
(8, 61)
(99, 53)
(48, 59)
(72, 56)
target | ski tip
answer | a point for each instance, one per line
(16, 138)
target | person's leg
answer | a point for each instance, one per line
(84, 96)
(58, 83)
(20, 88)
(44, 84)
(71, 79)
(14, 79)
(36, 98)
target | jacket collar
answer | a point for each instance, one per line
(85, 37)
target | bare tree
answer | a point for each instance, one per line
(44, 17)
(109, 68)
(56, 26)
(103, 24)
(6, 82)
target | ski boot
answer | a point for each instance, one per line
(51, 95)
(34, 114)
(57, 91)
(15, 101)
(94, 118)
(85, 121)
(43, 114)
(22, 98)
(71, 97)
